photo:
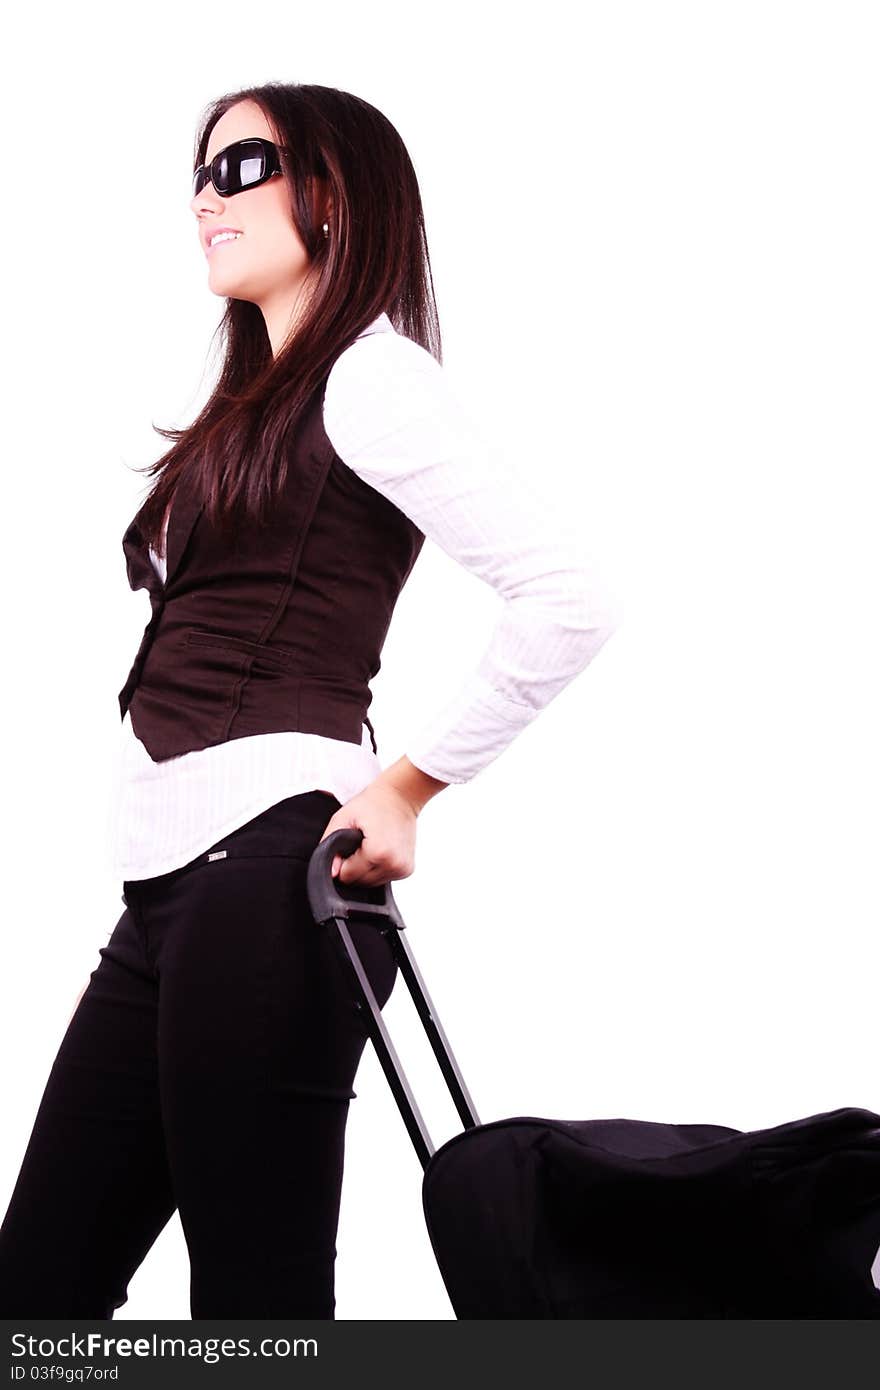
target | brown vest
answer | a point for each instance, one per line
(280, 628)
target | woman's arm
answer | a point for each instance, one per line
(416, 786)
(393, 418)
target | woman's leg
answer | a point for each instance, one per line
(93, 1191)
(259, 1040)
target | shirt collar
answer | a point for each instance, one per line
(380, 324)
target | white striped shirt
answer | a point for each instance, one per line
(391, 415)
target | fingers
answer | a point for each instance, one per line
(372, 873)
(357, 865)
(387, 839)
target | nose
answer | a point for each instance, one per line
(206, 203)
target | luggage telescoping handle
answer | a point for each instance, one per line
(328, 905)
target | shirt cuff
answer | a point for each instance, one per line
(468, 733)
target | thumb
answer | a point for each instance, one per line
(338, 859)
(352, 866)
(340, 864)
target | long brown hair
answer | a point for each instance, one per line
(375, 259)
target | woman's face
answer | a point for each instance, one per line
(268, 264)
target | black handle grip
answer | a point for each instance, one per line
(325, 895)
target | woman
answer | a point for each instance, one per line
(209, 1064)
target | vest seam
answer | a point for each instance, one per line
(286, 590)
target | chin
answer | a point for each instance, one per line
(227, 286)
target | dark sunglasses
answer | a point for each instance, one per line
(246, 164)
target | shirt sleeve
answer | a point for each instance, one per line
(392, 416)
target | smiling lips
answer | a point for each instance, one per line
(221, 238)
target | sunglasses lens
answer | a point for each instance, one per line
(223, 171)
(245, 165)
(251, 165)
(242, 165)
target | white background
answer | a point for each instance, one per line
(654, 233)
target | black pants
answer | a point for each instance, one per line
(208, 1068)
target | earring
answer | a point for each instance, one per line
(326, 230)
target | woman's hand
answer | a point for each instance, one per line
(386, 813)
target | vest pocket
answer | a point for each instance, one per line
(202, 637)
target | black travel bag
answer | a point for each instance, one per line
(617, 1218)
